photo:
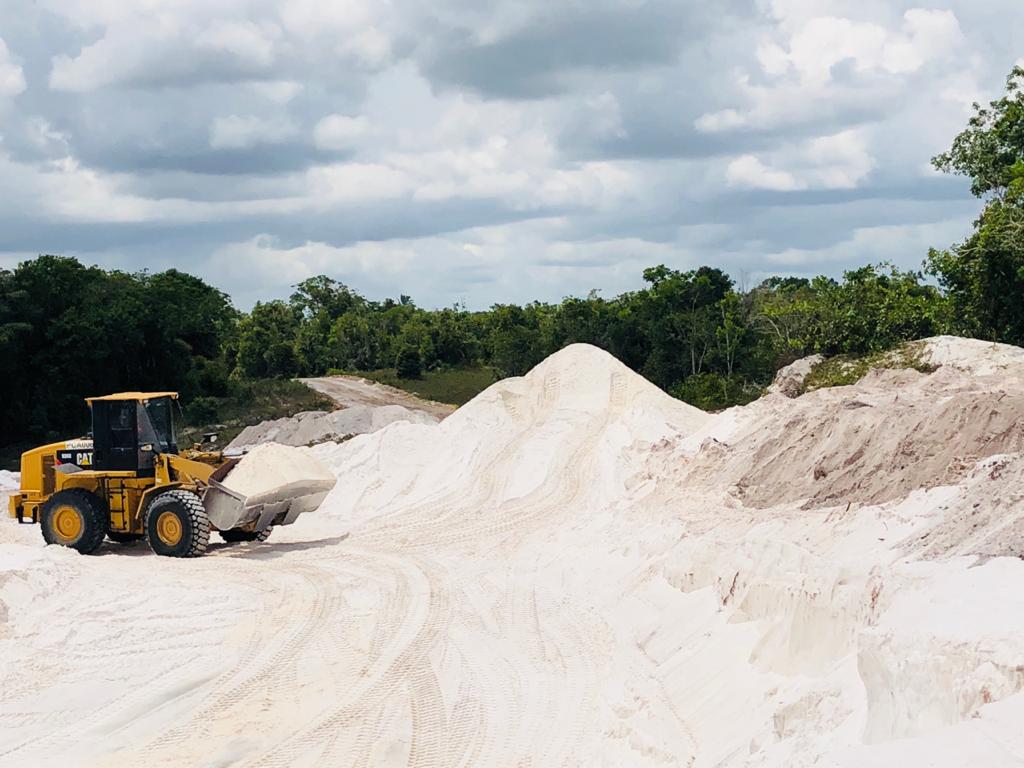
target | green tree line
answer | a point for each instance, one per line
(68, 330)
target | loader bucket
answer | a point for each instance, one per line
(279, 506)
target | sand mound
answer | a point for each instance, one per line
(983, 516)
(9, 481)
(315, 427)
(724, 635)
(269, 466)
(580, 408)
(576, 569)
(974, 356)
(891, 433)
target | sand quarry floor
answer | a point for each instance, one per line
(573, 570)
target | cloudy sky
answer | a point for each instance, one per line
(462, 151)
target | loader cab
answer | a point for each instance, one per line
(130, 429)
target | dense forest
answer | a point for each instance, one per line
(68, 330)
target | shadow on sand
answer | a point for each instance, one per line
(247, 550)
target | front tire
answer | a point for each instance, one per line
(177, 525)
(234, 535)
(74, 518)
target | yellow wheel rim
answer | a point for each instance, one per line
(68, 523)
(168, 528)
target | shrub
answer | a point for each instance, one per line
(409, 363)
(202, 410)
(715, 392)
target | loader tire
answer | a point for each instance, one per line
(125, 538)
(75, 518)
(177, 524)
(233, 535)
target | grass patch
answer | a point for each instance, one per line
(455, 386)
(844, 370)
(248, 403)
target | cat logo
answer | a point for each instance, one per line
(81, 458)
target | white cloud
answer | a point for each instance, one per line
(43, 136)
(928, 35)
(262, 255)
(12, 79)
(521, 170)
(339, 131)
(459, 147)
(595, 177)
(748, 171)
(356, 29)
(330, 185)
(242, 132)
(790, 102)
(248, 42)
(277, 91)
(823, 42)
(63, 190)
(121, 55)
(873, 244)
(773, 59)
(174, 41)
(603, 116)
(790, 14)
(723, 120)
(521, 262)
(839, 161)
(800, 67)
(312, 18)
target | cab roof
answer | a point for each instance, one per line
(133, 396)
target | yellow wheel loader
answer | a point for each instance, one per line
(129, 482)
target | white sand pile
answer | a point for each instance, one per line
(9, 481)
(579, 411)
(271, 466)
(894, 432)
(576, 569)
(601, 567)
(314, 427)
(980, 358)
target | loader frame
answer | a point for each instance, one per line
(126, 493)
(128, 481)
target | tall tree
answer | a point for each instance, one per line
(266, 341)
(984, 275)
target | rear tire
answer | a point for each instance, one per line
(177, 525)
(125, 538)
(74, 518)
(234, 535)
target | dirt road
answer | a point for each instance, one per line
(347, 391)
